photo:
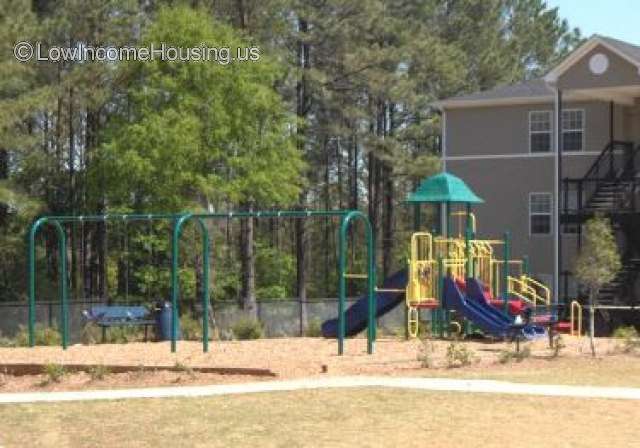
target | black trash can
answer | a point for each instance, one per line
(163, 321)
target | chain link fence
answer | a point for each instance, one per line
(279, 318)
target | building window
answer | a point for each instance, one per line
(573, 130)
(540, 213)
(540, 131)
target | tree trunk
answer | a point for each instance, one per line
(387, 223)
(302, 107)
(247, 257)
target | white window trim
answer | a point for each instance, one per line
(529, 214)
(584, 130)
(550, 131)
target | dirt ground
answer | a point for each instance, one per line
(307, 357)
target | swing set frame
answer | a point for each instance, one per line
(347, 217)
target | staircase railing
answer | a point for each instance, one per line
(616, 165)
(616, 158)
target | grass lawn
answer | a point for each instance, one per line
(618, 370)
(336, 418)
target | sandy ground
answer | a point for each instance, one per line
(285, 358)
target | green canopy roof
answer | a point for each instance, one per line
(444, 187)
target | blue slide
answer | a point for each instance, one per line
(356, 314)
(476, 308)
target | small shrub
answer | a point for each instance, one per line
(92, 334)
(557, 345)
(183, 368)
(98, 372)
(247, 329)
(625, 332)
(314, 329)
(54, 373)
(226, 335)
(191, 327)
(42, 335)
(425, 353)
(509, 355)
(7, 342)
(630, 338)
(459, 355)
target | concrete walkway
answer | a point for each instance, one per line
(430, 384)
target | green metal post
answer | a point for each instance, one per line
(505, 271)
(371, 284)
(62, 287)
(371, 281)
(342, 282)
(525, 265)
(175, 242)
(64, 306)
(448, 207)
(205, 285)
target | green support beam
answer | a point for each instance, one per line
(179, 219)
(62, 280)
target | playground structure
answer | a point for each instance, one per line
(456, 254)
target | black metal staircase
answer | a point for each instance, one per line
(611, 188)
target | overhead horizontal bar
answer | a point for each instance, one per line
(274, 214)
(114, 217)
(215, 215)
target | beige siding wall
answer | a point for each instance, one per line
(504, 130)
(505, 184)
(631, 119)
(620, 73)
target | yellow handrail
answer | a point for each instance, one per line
(520, 289)
(546, 296)
(576, 308)
(461, 215)
(422, 276)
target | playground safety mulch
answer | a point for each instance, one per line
(153, 364)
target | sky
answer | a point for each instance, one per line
(619, 19)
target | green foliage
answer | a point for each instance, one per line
(625, 332)
(54, 373)
(599, 260)
(314, 329)
(99, 372)
(508, 355)
(247, 328)
(191, 327)
(92, 334)
(630, 338)
(44, 335)
(459, 355)
(275, 270)
(200, 128)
